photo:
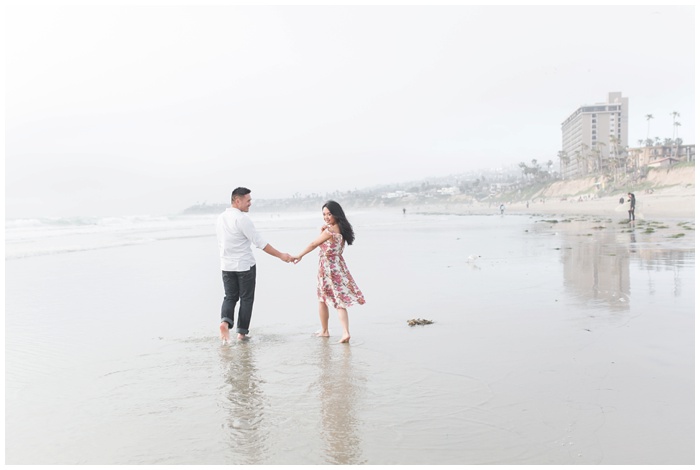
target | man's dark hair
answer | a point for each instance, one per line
(239, 192)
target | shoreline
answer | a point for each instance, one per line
(575, 318)
(674, 202)
(663, 192)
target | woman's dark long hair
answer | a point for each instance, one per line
(339, 215)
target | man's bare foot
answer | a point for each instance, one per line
(344, 339)
(242, 337)
(223, 329)
(322, 333)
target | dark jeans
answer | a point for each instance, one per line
(238, 285)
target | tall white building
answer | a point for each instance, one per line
(592, 135)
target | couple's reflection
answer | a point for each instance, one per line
(245, 405)
(340, 387)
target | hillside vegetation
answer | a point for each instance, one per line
(682, 176)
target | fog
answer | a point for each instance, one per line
(117, 110)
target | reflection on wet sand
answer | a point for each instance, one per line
(246, 403)
(339, 390)
(598, 270)
(597, 262)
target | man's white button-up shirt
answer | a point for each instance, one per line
(235, 233)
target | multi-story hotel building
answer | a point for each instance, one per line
(592, 135)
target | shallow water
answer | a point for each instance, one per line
(553, 343)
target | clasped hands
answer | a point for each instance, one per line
(287, 258)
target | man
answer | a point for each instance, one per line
(633, 202)
(235, 232)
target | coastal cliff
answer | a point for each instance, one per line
(663, 191)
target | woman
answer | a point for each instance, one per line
(335, 284)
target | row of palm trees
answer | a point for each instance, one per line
(675, 115)
(674, 141)
(536, 172)
(592, 161)
(619, 162)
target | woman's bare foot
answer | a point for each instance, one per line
(223, 329)
(344, 339)
(242, 337)
(322, 333)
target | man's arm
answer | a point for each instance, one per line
(270, 250)
(248, 229)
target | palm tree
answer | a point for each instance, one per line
(563, 161)
(598, 151)
(675, 135)
(595, 161)
(585, 156)
(578, 156)
(524, 168)
(536, 169)
(626, 160)
(675, 115)
(649, 118)
(614, 143)
(632, 162)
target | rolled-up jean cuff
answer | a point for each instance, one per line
(229, 321)
(242, 331)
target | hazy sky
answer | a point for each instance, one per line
(117, 110)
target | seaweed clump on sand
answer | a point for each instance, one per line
(419, 321)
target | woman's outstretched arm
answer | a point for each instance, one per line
(325, 235)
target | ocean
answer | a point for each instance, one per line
(555, 340)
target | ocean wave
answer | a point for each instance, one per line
(42, 236)
(66, 225)
(85, 221)
(30, 252)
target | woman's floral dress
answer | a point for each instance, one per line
(336, 286)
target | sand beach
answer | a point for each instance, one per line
(664, 193)
(555, 340)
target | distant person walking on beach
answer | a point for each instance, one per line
(335, 284)
(503, 208)
(633, 202)
(235, 233)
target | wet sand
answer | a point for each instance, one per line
(675, 202)
(557, 340)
